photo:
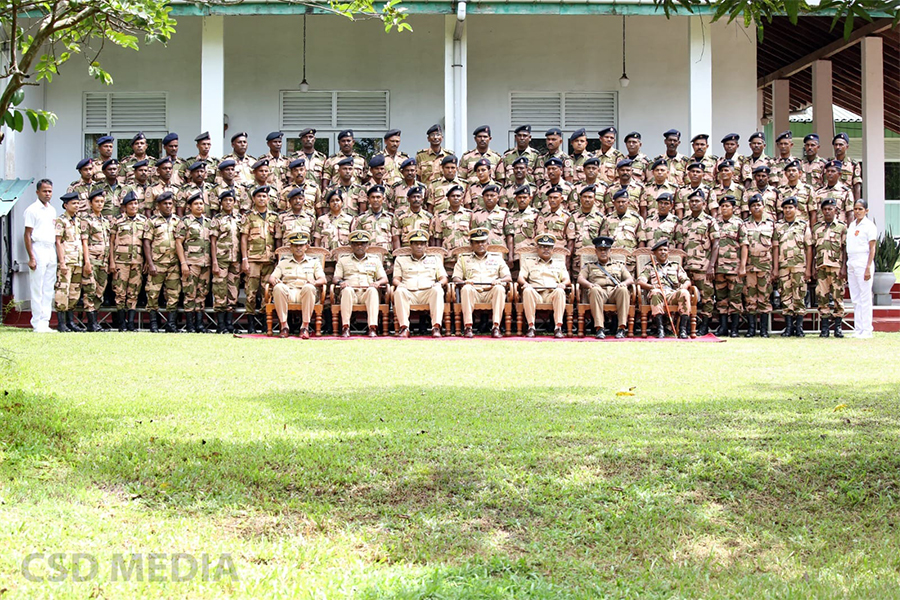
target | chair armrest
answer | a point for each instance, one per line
(267, 293)
(449, 297)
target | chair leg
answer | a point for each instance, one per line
(580, 322)
(518, 321)
(335, 314)
(457, 319)
(569, 320)
(693, 325)
(643, 324)
(317, 317)
(630, 323)
(269, 323)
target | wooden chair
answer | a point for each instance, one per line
(561, 255)
(583, 307)
(448, 299)
(455, 291)
(643, 256)
(386, 293)
(320, 253)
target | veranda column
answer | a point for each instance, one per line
(212, 82)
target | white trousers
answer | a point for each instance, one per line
(860, 294)
(42, 281)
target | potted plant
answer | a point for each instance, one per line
(887, 251)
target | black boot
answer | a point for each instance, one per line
(838, 327)
(703, 327)
(788, 326)
(735, 322)
(200, 321)
(251, 324)
(130, 325)
(73, 325)
(722, 329)
(61, 325)
(189, 322)
(229, 322)
(154, 326)
(121, 314)
(798, 326)
(660, 327)
(751, 325)
(93, 326)
(684, 327)
(764, 325)
(170, 323)
(220, 322)
(825, 328)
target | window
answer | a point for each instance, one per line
(365, 112)
(892, 180)
(567, 110)
(122, 115)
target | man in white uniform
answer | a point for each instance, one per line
(40, 243)
(861, 237)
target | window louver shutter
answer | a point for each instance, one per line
(96, 113)
(362, 110)
(306, 109)
(540, 110)
(335, 110)
(593, 111)
(110, 112)
(567, 110)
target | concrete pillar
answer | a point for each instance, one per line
(822, 101)
(760, 109)
(700, 77)
(455, 84)
(873, 126)
(781, 105)
(212, 83)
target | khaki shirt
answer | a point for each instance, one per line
(489, 267)
(291, 222)
(419, 274)
(542, 273)
(315, 164)
(616, 273)
(428, 164)
(505, 169)
(297, 274)
(467, 164)
(359, 271)
(492, 220)
(330, 168)
(669, 275)
(380, 226)
(408, 221)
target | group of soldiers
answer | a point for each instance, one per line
(751, 227)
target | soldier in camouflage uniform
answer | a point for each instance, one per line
(139, 183)
(557, 221)
(314, 160)
(553, 139)
(428, 160)
(96, 229)
(578, 140)
(396, 197)
(829, 253)
(588, 221)
(553, 171)
(334, 227)
(257, 250)
(450, 228)
(204, 144)
(481, 151)
(357, 173)
(812, 165)
(521, 226)
(312, 195)
(437, 190)
(492, 217)
(770, 196)
(632, 188)
(833, 188)
(606, 282)
(609, 156)
(162, 261)
(415, 218)
(523, 149)
(700, 145)
(111, 188)
(667, 283)
(193, 248)
(377, 223)
(242, 160)
(138, 154)
(851, 170)
(353, 194)
(591, 178)
(170, 147)
(276, 161)
(126, 258)
(805, 195)
(378, 175)
(698, 235)
(472, 198)
(358, 275)
(226, 181)
(730, 143)
(393, 158)
(550, 277)
(662, 224)
(518, 172)
(792, 263)
(105, 148)
(731, 267)
(624, 225)
(83, 186)
(225, 252)
(727, 186)
(73, 261)
(196, 184)
(762, 247)
(261, 176)
(784, 144)
(756, 159)
(657, 183)
(164, 183)
(482, 276)
(675, 161)
(695, 173)
(297, 219)
(640, 162)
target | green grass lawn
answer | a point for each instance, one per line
(454, 469)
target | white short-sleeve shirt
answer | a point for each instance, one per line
(859, 234)
(41, 220)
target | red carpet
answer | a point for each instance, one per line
(540, 338)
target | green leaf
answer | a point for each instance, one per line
(18, 121)
(33, 119)
(792, 8)
(43, 121)
(18, 96)
(8, 118)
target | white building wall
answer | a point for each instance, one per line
(505, 53)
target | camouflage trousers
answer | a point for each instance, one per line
(258, 275)
(728, 293)
(196, 287)
(758, 292)
(169, 277)
(127, 285)
(68, 287)
(94, 286)
(225, 289)
(681, 297)
(793, 291)
(828, 281)
(707, 292)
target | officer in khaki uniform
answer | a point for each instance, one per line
(770, 196)
(592, 179)
(521, 225)
(428, 160)
(257, 249)
(694, 177)
(358, 275)
(656, 184)
(111, 188)
(551, 278)
(96, 229)
(163, 269)
(277, 162)
(557, 221)
(376, 222)
(805, 195)
(553, 138)
(552, 180)
(472, 198)
(491, 217)
(833, 188)
(333, 228)
(73, 261)
(297, 180)
(606, 282)
(352, 194)
(393, 158)
(784, 144)
(397, 200)
(419, 279)
(829, 262)
(138, 154)
(204, 144)
(624, 181)
(139, 183)
(730, 143)
(667, 283)
(225, 251)
(523, 150)
(105, 147)
(226, 182)
(483, 277)
(170, 147)
(518, 178)
(700, 145)
(293, 281)
(193, 248)
(578, 141)
(437, 190)
(164, 183)
(662, 224)
(126, 259)
(296, 219)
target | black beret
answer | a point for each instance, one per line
(592, 161)
(82, 163)
(697, 193)
(108, 139)
(391, 133)
(841, 136)
(275, 135)
(731, 137)
(345, 161)
(521, 128)
(602, 241)
(606, 130)
(226, 163)
(660, 244)
(436, 128)
(68, 197)
(226, 194)
(110, 162)
(792, 164)
(827, 202)
(307, 131)
(297, 191)
(726, 163)
(263, 162)
(375, 189)
(483, 162)
(522, 189)
(758, 135)
(762, 169)
(577, 134)
(96, 192)
(811, 137)
(455, 188)
(700, 136)
(491, 188)
(696, 165)
(448, 160)
(588, 189)
(674, 132)
(332, 193)
(169, 139)
(415, 190)
(164, 160)
(297, 162)
(480, 128)
(621, 193)
(128, 198)
(194, 196)
(196, 165)
(202, 136)
(789, 201)
(141, 163)
(755, 199)
(625, 162)
(555, 189)
(834, 163)
(634, 134)
(784, 135)
(664, 197)
(554, 131)
(407, 163)
(238, 134)
(167, 196)
(553, 161)
(345, 134)
(728, 199)
(377, 161)
(261, 189)
(522, 160)
(659, 162)
(138, 136)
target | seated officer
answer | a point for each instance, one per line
(419, 279)
(544, 280)
(483, 276)
(606, 282)
(294, 280)
(666, 283)
(359, 275)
